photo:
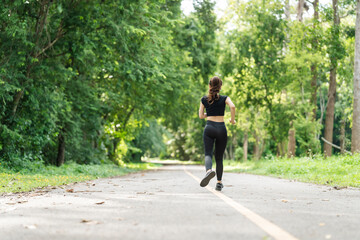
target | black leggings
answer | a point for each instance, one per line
(215, 132)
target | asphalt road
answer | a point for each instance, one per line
(168, 203)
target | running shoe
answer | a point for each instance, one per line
(219, 186)
(208, 176)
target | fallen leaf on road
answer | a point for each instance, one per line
(24, 201)
(284, 200)
(11, 203)
(325, 199)
(30, 226)
(89, 222)
(339, 188)
(70, 190)
(98, 203)
(321, 224)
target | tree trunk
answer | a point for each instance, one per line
(329, 117)
(291, 142)
(226, 153)
(262, 148)
(282, 148)
(16, 101)
(234, 141)
(314, 74)
(287, 9)
(257, 150)
(245, 146)
(330, 109)
(231, 149)
(314, 90)
(61, 150)
(300, 10)
(342, 136)
(355, 139)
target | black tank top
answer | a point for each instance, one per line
(217, 108)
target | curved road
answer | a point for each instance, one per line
(169, 204)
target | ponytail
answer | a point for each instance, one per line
(214, 89)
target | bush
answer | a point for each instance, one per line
(239, 154)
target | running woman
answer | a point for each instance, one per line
(215, 130)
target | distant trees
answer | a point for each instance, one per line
(79, 80)
(315, 48)
(93, 80)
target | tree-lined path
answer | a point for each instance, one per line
(169, 204)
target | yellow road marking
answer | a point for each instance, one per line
(269, 227)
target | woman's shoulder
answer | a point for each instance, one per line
(223, 97)
(204, 99)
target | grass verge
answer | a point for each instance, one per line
(342, 171)
(11, 182)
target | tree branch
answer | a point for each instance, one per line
(59, 35)
(335, 146)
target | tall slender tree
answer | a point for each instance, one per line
(315, 44)
(355, 139)
(300, 10)
(330, 108)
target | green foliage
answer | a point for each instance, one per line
(239, 153)
(271, 61)
(121, 80)
(89, 74)
(306, 131)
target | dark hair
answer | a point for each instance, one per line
(215, 85)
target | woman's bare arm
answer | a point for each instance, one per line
(232, 109)
(202, 115)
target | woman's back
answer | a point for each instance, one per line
(215, 110)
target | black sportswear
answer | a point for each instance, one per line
(215, 132)
(217, 108)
